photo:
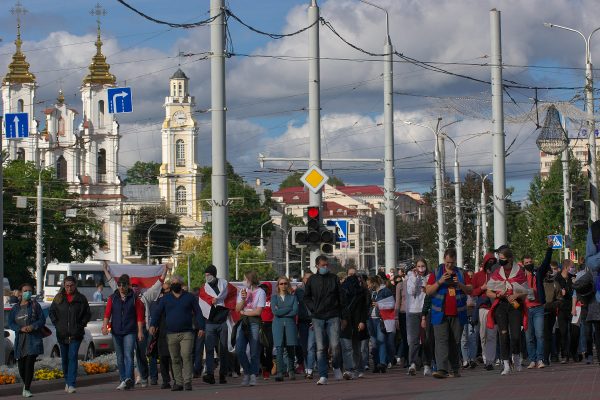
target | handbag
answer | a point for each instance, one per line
(45, 331)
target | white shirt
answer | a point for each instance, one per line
(255, 298)
(415, 296)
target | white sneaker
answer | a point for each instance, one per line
(412, 370)
(337, 373)
(531, 365)
(26, 393)
(506, 369)
(541, 364)
(322, 381)
(516, 358)
(245, 380)
(142, 383)
(389, 366)
(427, 370)
(122, 386)
(361, 375)
(71, 389)
(234, 374)
(252, 380)
(66, 388)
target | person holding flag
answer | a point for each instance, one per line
(507, 288)
(217, 298)
(448, 292)
(382, 321)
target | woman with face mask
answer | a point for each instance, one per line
(27, 320)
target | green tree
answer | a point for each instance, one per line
(293, 180)
(143, 173)
(65, 239)
(162, 237)
(200, 253)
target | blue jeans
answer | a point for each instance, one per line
(331, 327)
(535, 334)
(468, 342)
(216, 334)
(68, 355)
(380, 341)
(352, 355)
(140, 356)
(311, 354)
(250, 366)
(124, 347)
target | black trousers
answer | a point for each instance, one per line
(549, 320)
(26, 370)
(165, 368)
(266, 352)
(564, 322)
(592, 336)
(509, 320)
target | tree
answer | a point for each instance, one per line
(200, 254)
(246, 212)
(143, 173)
(162, 237)
(64, 239)
(293, 180)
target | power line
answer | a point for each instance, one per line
(171, 24)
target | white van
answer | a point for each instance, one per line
(88, 276)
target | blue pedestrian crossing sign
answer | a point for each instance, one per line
(557, 241)
(17, 125)
(342, 229)
(119, 100)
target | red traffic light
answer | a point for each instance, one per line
(313, 212)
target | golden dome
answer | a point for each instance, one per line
(18, 69)
(99, 68)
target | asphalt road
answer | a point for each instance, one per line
(571, 381)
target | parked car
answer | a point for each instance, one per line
(102, 344)
(87, 350)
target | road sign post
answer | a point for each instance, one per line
(17, 125)
(119, 100)
(557, 241)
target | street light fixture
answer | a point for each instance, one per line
(237, 260)
(157, 222)
(287, 248)
(589, 105)
(262, 243)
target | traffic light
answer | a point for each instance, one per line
(328, 239)
(299, 236)
(313, 224)
(315, 233)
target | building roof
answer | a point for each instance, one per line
(18, 69)
(99, 68)
(333, 209)
(179, 74)
(293, 195)
(367, 190)
(142, 193)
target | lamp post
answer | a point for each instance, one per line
(157, 222)
(457, 209)
(287, 249)
(412, 250)
(39, 274)
(481, 221)
(262, 243)
(589, 105)
(237, 259)
(439, 182)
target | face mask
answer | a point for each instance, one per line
(421, 270)
(176, 287)
(323, 270)
(248, 284)
(529, 267)
(27, 295)
(572, 271)
(210, 279)
(503, 262)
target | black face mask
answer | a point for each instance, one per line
(176, 287)
(529, 267)
(488, 266)
(503, 262)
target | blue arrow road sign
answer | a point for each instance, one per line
(557, 241)
(119, 100)
(17, 125)
(342, 228)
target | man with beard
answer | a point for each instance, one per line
(482, 304)
(535, 307)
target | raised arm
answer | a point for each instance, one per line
(109, 279)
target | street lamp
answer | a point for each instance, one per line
(589, 104)
(439, 182)
(237, 260)
(262, 243)
(458, 211)
(287, 249)
(157, 222)
(483, 223)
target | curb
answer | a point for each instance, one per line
(57, 384)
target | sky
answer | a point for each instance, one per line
(267, 84)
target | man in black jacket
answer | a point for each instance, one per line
(70, 313)
(323, 298)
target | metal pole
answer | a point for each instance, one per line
(287, 255)
(39, 238)
(391, 244)
(148, 243)
(376, 249)
(314, 107)
(589, 104)
(458, 211)
(262, 242)
(188, 273)
(484, 229)
(218, 111)
(237, 262)
(362, 247)
(477, 238)
(2, 288)
(498, 131)
(566, 194)
(439, 196)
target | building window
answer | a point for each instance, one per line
(101, 165)
(352, 228)
(181, 200)
(61, 168)
(180, 153)
(174, 90)
(352, 244)
(101, 114)
(20, 106)
(21, 154)
(180, 90)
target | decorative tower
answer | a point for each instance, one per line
(179, 178)
(18, 94)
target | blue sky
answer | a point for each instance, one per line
(266, 96)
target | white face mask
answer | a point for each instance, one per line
(248, 284)
(210, 279)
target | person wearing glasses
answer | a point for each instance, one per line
(70, 313)
(125, 312)
(285, 333)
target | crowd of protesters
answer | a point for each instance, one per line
(441, 321)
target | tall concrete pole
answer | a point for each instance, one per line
(218, 109)
(458, 211)
(566, 195)
(391, 244)
(589, 104)
(314, 108)
(477, 238)
(498, 151)
(484, 229)
(2, 288)
(39, 264)
(439, 196)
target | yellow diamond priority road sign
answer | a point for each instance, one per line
(314, 178)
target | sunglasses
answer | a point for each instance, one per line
(122, 284)
(283, 283)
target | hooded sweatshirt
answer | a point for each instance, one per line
(479, 279)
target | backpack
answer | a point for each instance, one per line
(584, 286)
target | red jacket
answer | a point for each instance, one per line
(479, 279)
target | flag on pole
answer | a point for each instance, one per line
(146, 275)
(386, 307)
